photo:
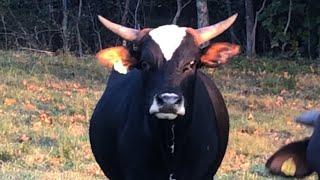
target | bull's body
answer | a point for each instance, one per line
(160, 117)
(128, 143)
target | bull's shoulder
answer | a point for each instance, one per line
(204, 82)
(121, 91)
(122, 81)
(207, 91)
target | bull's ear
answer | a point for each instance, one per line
(118, 57)
(309, 118)
(219, 53)
(290, 160)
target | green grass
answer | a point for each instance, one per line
(46, 103)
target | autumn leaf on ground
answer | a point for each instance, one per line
(250, 117)
(279, 101)
(34, 158)
(77, 130)
(67, 93)
(61, 107)
(45, 98)
(55, 161)
(24, 138)
(9, 101)
(283, 92)
(78, 118)
(87, 152)
(44, 117)
(29, 106)
(94, 169)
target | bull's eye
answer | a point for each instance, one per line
(189, 66)
(145, 65)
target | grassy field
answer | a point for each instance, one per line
(46, 103)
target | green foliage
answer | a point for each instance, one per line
(303, 20)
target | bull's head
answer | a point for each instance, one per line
(168, 57)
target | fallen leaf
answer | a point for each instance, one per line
(279, 101)
(94, 169)
(45, 118)
(55, 161)
(250, 117)
(36, 158)
(24, 138)
(78, 118)
(77, 130)
(9, 101)
(61, 107)
(29, 106)
(67, 93)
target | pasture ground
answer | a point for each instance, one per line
(46, 103)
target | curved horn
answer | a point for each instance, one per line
(126, 33)
(209, 32)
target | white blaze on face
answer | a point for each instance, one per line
(169, 38)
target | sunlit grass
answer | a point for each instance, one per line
(46, 103)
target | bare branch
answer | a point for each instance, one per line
(179, 9)
(287, 26)
(94, 27)
(136, 24)
(289, 18)
(64, 26)
(78, 30)
(175, 19)
(5, 31)
(38, 50)
(254, 29)
(125, 12)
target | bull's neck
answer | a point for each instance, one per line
(168, 139)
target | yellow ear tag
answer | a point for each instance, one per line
(289, 167)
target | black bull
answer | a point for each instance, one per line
(132, 140)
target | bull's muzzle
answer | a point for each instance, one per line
(167, 106)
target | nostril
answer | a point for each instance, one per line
(179, 100)
(159, 99)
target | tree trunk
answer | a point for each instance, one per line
(65, 26)
(233, 36)
(78, 30)
(203, 15)
(93, 19)
(254, 30)
(5, 32)
(249, 28)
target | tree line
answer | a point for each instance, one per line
(279, 28)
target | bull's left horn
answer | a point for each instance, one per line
(126, 33)
(209, 32)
